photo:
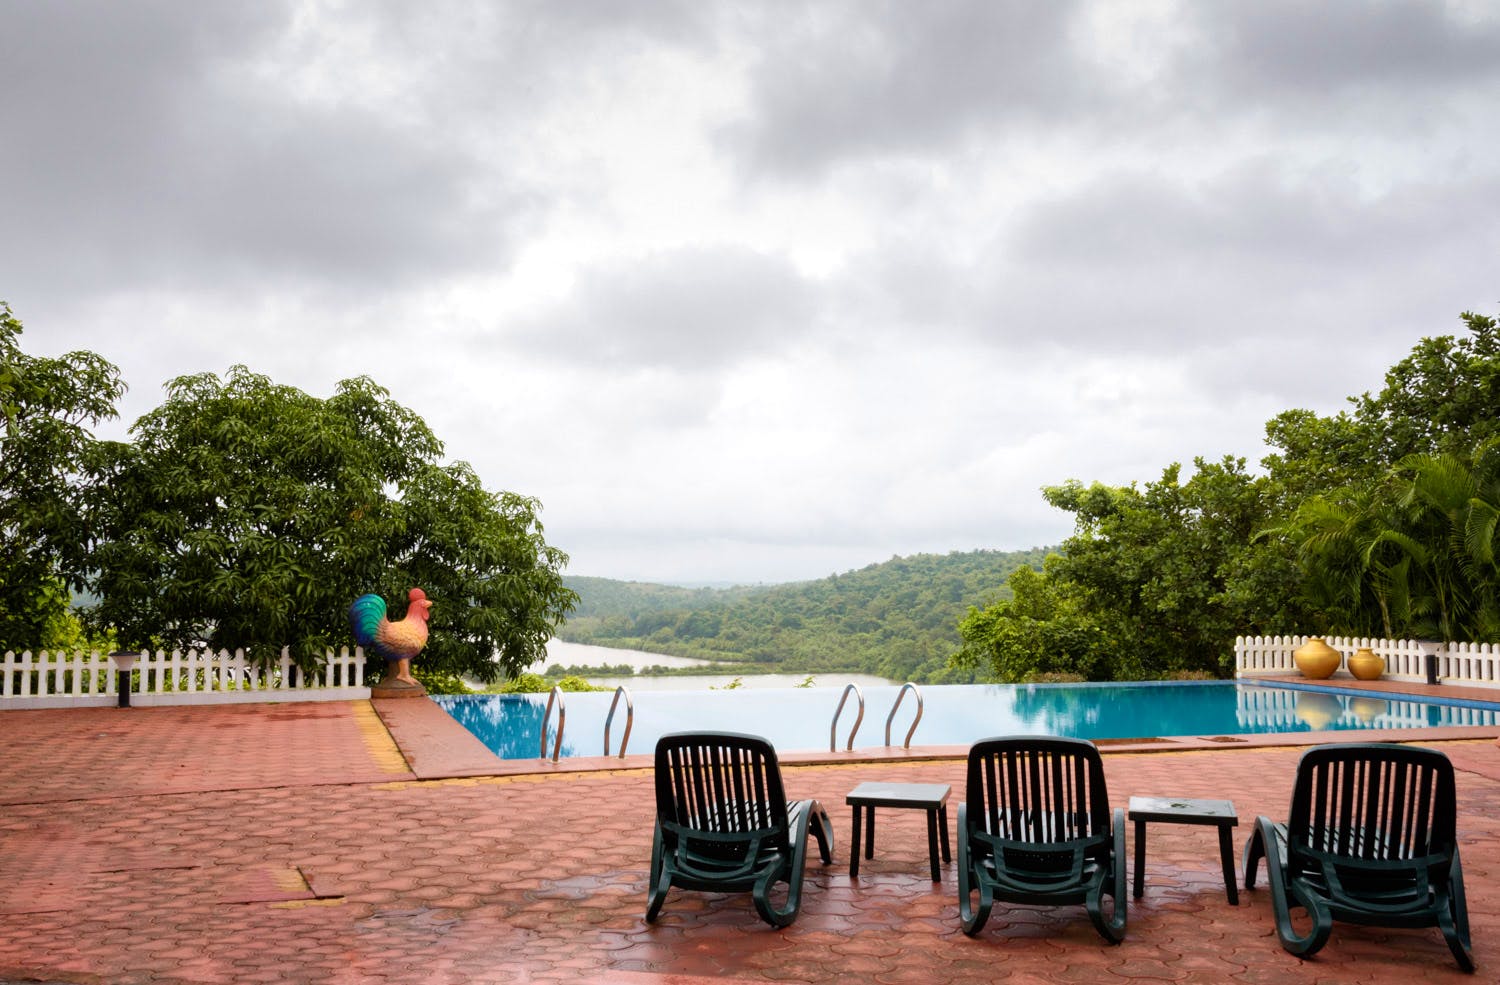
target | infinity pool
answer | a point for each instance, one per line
(799, 718)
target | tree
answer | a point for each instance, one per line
(1039, 630)
(1154, 582)
(1414, 555)
(249, 515)
(1440, 398)
(1170, 571)
(46, 409)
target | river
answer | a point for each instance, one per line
(561, 653)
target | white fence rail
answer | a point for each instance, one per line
(62, 680)
(1468, 664)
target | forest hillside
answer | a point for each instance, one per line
(896, 619)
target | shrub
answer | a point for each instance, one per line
(437, 682)
(529, 683)
(1054, 677)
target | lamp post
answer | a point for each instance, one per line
(123, 662)
(1430, 649)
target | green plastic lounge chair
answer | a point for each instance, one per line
(1370, 840)
(1036, 828)
(723, 823)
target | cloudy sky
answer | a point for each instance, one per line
(762, 291)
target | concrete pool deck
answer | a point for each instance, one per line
(349, 842)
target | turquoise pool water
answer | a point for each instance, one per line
(798, 718)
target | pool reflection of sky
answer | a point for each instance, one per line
(798, 718)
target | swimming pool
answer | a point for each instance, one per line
(798, 718)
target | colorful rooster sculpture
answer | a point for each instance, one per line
(396, 642)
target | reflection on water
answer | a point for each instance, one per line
(1269, 709)
(511, 729)
(799, 718)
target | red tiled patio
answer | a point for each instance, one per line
(346, 842)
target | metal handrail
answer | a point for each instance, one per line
(833, 727)
(629, 719)
(892, 716)
(562, 718)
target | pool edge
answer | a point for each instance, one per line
(436, 746)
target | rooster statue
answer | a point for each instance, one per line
(396, 642)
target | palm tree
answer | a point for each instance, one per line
(1356, 560)
(1452, 505)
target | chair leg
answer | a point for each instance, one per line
(1453, 917)
(971, 918)
(791, 871)
(1112, 882)
(1282, 903)
(1460, 905)
(1255, 850)
(822, 829)
(661, 878)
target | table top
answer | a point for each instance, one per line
(1183, 810)
(871, 794)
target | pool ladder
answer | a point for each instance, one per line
(556, 697)
(860, 716)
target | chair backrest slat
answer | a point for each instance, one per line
(1371, 801)
(719, 781)
(1038, 790)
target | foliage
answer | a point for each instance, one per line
(1440, 398)
(437, 682)
(602, 598)
(896, 620)
(1054, 677)
(66, 632)
(1413, 556)
(529, 683)
(1154, 581)
(250, 515)
(1040, 632)
(46, 408)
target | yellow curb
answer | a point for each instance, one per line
(475, 781)
(378, 740)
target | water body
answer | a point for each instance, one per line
(561, 653)
(794, 719)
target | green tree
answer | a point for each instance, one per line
(1170, 570)
(249, 515)
(1453, 502)
(46, 409)
(1441, 398)
(1041, 629)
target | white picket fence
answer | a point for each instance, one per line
(1468, 664)
(63, 680)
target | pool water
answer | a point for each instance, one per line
(798, 718)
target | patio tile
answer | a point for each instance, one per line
(134, 828)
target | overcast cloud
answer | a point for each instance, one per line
(762, 291)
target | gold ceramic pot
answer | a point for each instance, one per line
(1366, 665)
(1316, 659)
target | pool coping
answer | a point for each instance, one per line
(435, 746)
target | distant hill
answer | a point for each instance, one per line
(898, 619)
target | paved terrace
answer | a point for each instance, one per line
(346, 842)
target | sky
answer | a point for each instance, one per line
(762, 292)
